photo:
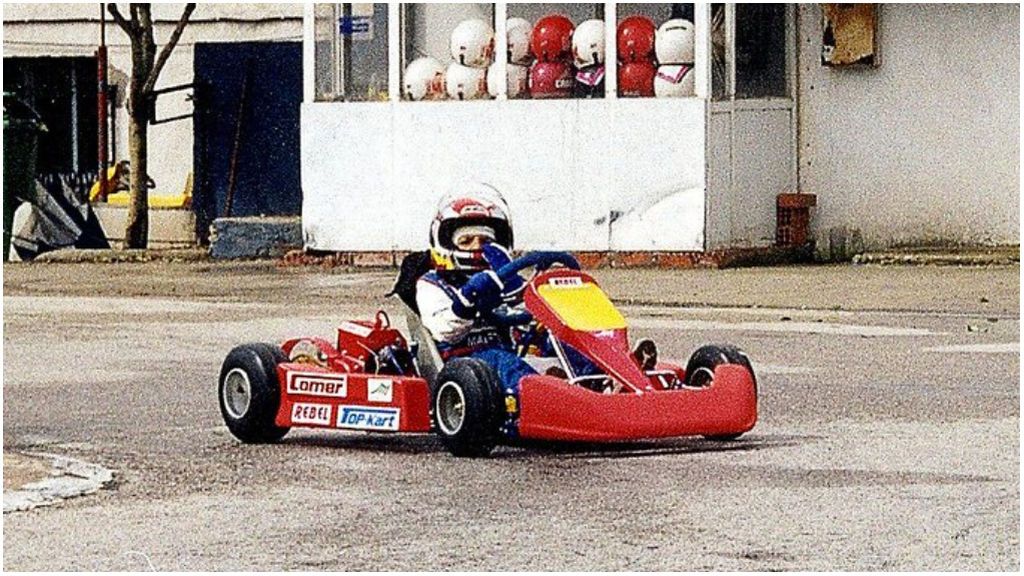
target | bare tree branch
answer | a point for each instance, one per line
(125, 25)
(165, 53)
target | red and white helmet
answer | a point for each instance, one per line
(518, 81)
(674, 81)
(551, 80)
(673, 43)
(475, 206)
(588, 43)
(636, 79)
(519, 41)
(635, 39)
(465, 83)
(472, 43)
(552, 38)
(423, 79)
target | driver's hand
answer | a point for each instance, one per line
(498, 257)
(482, 292)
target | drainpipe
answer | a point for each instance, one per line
(101, 103)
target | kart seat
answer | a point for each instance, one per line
(428, 359)
(414, 266)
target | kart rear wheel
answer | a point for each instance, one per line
(700, 371)
(249, 392)
(466, 407)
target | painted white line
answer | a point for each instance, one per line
(995, 348)
(799, 327)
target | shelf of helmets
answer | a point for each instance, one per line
(603, 173)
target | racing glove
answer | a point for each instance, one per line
(480, 294)
(497, 257)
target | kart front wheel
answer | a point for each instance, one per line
(700, 371)
(249, 392)
(466, 407)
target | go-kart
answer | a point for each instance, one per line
(373, 378)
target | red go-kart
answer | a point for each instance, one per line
(373, 378)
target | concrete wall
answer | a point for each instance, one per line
(578, 174)
(41, 30)
(924, 148)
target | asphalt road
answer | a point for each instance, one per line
(888, 436)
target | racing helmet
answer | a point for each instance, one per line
(476, 208)
(518, 78)
(472, 43)
(674, 81)
(635, 39)
(588, 43)
(673, 43)
(551, 80)
(518, 41)
(552, 38)
(423, 79)
(465, 83)
(636, 79)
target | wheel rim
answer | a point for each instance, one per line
(702, 377)
(237, 393)
(451, 408)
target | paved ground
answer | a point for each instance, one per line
(888, 438)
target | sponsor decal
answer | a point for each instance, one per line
(566, 282)
(317, 384)
(364, 418)
(379, 389)
(303, 413)
(353, 328)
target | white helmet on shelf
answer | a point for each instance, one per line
(588, 43)
(518, 81)
(472, 43)
(518, 32)
(423, 79)
(465, 83)
(674, 81)
(673, 42)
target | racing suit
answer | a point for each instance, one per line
(458, 318)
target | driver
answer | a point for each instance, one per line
(457, 300)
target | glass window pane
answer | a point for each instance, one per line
(760, 50)
(351, 51)
(448, 50)
(561, 72)
(661, 65)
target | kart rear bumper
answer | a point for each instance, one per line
(552, 409)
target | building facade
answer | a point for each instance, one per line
(296, 109)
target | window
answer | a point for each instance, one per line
(761, 50)
(755, 65)
(448, 50)
(656, 56)
(575, 67)
(351, 52)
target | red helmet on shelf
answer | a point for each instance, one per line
(635, 39)
(552, 38)
(551, 80)
(636, 79)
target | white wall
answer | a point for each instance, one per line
(42, 30)
(926, 147)
(564, 166)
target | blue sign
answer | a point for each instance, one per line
(348, 25)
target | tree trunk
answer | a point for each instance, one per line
(136, 233)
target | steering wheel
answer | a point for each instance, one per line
(509, 275)
(540, 261)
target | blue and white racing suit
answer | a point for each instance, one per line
(461, 328)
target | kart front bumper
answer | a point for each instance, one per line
(552, 409)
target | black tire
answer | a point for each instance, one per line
(467, 407)
(253, 366)
(700, 371)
